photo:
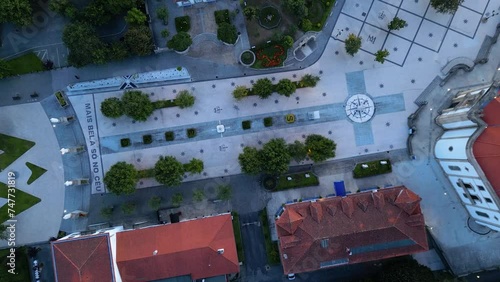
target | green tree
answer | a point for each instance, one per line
(112, 107)
(117, 51)
(128, 208)
(121, 178)
(407, 270)
(180, 42)
(263, 87)
(446, 6)
(198, 195)
(95, 14)
(352, 44)
(297, 151)
(227, 33)
(18, 12)
(298, 7)
(224, 192)
(177, 199)
(137, 105)
(184, 99)
(250, 12)
(396, 24)
(287, 41)
(63, 7)
(250, 161)
(380, 55)
(306, 25)
(165, 33)
(107, 212)
(162, 14)
(320, 148)
(274, 156)
(3, 232)
(84, 45)
(240, 92)
(5, 69)
(169, 171)
(116, 7)
(309, 80)
(194, 166)
(139, 40)
(135, 17)
(155, 202)
(286, 87)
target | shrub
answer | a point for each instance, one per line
(169, 136)
(107, 212)
(137, 105)
(222, 16)
(287, 41)
(227, 33)
(352, 44)
(147, 139)
(182, 24)
(194, 166)
(154, 203)
(165, 33)
(128, 208)
(191, 132)
(268, 121)
(177, 199)
(162, 14)
(263, 87)
(246, 124)
(308, 81)
(125, 142)
(306, 25)
(290, 118)
(374, 168)
(112, 108)
(285, 87)
(135, 17)
(180, 42)
(240, 92)
(184, 99)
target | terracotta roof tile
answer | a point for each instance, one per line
(185, 248)
(83, 259)
(373, 230)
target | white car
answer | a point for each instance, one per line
(291, 276)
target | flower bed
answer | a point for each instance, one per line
(372, 168)
(271, 56)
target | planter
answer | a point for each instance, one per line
(251, 57)
(182, 52)
(229, 44)
(61, 99)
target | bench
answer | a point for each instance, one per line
(458, 63)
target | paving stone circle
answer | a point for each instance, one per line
(242, 145)
(360, 62)
(366, 150)
(324, 94)
(175, 91)
(294, 75)
(320, 72)
(204, 174)
(196, 112)
(139, 160)
(133, 121)
(273, 78)
(182, 154)
(430, 34)
(347, 29)
(466, 21)
(201, 151)
(297, 98)
(303, 136)
(152, 93)
(213, 85)
(255, 104)
(413, 81)
(185, 176)
(276, 101)
(140, 182)
(232, 83)
(225, 170)
(114, 124)
(419, 59)
(251, 81)
(387, 124)
(330, 132)
(177, 115)
(391, 146)
(455, 45)
(156, 118)
(395, 49)
(259, 142)
(381, 85)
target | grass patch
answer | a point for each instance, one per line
(164, 104)
(246, 124)
(374, 168)
(146, 173)
(12, 148)
(319, 10)
(268, 121)
(222, 16)
(183, 24)
(269, 56)
(22, 266)
(27, 63)
(191, 132)
(24, 201)
(269, 17)
(36, 172)
(169, 136)
(237, 236)
(147, 139)
(125, 142)
(60, 98)
(272, 251)
(298, 180)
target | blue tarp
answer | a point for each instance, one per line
(339, 188)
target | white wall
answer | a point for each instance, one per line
(460, 168)
(451, 148)
(492, 219)
(458, 124)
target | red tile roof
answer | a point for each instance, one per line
(486, 148)
(82, 259)
(370, 226)
(185, 248)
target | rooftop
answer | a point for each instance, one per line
(201, 248)
(356, 228)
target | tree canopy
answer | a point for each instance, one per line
(286, 87)
(121, 178)
(180, 42)
(446, 6)
(274, 157)
(309, 80)
(396, 24)
(18, 12)
(352, 44)
(240, 92)
(227, 33)
(250, 12)
(112, 107)
(169, 171)
(380, 55)
(135, 17)
(263, 87)
(297, 151)
(224, 192)
(250, 160)
(84, 45)
(137, 105)
(320, 148)
(155, 202)
(407, 270)
(298, 7)
(139, 40)
(194, 166)
(184, 99)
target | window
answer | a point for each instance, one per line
(467, 185)
(482, 214)
(454, 167)
(480, 187)
(488, 200)
(475, 198)
(324, 243)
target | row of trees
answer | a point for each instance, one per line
(264, 87)
(275, 156)
(137, 105)
(122, 177)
